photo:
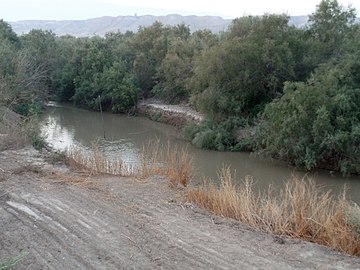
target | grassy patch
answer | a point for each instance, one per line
(300, 210)
(10, 264)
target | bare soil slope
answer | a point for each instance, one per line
(66, 220)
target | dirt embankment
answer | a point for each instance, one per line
(176, 115)
(68, 220)
(179, 115)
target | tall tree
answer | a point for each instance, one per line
(6, 32)
(245, 70)
(331, 27)
(150, 47)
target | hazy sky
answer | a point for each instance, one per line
(13, 10)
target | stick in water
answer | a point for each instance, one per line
(102, 117)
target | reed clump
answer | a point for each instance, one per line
(16, 131)
(149, 160)
(170, 161)
(95, 162)
(300, 210)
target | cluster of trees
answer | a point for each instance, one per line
(316, 121)
(24, 72)
(300, 88)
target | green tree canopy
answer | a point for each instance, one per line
(331, 26)
(317, 123)
(247, 69)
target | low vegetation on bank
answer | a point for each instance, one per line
(301, 209)
(170, 161)
(17, 131)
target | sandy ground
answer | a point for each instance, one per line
(66, 220)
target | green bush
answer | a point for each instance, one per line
(214, 135)
(10, 264)
(316, 124)
(28, 108)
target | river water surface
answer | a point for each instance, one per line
(65, 125)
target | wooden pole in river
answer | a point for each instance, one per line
(102, 117)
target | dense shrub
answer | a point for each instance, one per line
(246, 70)
(317, 123)
(214, 136)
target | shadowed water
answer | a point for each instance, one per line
(65, 125)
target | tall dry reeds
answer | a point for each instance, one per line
(178, 165)
(171, 161)
(149, 160)
(16, 131)
(300, 210)
(95, 162)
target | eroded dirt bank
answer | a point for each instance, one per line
(176, 115)
(67, 220)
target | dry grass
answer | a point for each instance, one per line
(150, 160)
(80, 180)
(179, 166)
(95, 162)
(172, 162)
(17, 131)
(13, 135)
(300, 210)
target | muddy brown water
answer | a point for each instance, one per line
(64, 125)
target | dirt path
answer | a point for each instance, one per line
(66, 220)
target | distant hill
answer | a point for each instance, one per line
(102, 25)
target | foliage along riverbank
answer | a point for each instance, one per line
(297, 90)
(301, 209)
(120, 222)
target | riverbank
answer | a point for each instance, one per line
(71, 220)
(180, 115)
(176, 115)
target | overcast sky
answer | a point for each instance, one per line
(13, 10)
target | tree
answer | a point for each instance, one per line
(331, 26)
(40, 49)
(176, 67)
(21, 79)
(67, 67)
(149, 47)
(6, 33)
(316, 124)
(245, 70)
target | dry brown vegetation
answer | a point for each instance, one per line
(95, 162)
(12, 130)
(81, 180)
(300, 210)
(17, 131)
(172, 162)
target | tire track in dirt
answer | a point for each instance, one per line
(122, 223)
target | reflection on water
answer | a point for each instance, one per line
(125, 136)
(58, 136)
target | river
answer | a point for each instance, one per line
(64, 125)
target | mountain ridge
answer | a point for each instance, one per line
(102, 25)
